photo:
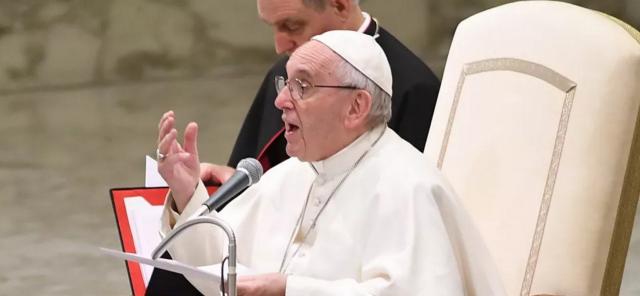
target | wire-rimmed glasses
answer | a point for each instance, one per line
(297, 87)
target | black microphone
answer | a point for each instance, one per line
(248, 172)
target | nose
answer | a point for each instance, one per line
(283, 100)
(283, 43)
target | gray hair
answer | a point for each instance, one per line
(320, 4)
(380, 100)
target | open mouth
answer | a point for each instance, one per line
(290, 128)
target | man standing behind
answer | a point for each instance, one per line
(353, 212)
(415, 87)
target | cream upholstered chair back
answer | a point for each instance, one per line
(536, 128)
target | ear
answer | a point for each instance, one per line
(358, 109)
(342, 8)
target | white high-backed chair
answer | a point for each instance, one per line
(536, 127)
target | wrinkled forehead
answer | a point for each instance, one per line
(312, 60)
(274, 12)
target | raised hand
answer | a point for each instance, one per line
(178, 165)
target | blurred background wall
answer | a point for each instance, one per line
(83, 84)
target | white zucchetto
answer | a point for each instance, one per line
(362, 52)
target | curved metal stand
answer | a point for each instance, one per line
(231, 274)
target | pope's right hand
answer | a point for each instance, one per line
(180, 167)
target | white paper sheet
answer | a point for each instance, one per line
(208, 272)
(151, 176)
(144, 220)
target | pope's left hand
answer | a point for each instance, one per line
(271, 284)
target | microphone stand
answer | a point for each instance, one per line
(231, 273)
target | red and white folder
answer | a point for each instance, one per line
(138, 212)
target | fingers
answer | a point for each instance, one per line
(206, 174)
(191, 138)
(168, 142)
(215, 174)
(267, 284)
(166, 124)
(167, 137)
(166, 116)
(175, 147)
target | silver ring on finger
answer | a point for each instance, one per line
(160, 156)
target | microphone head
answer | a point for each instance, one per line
(252, 167)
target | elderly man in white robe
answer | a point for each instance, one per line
(353, 212)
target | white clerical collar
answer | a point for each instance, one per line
(365, 23)
(345, 159)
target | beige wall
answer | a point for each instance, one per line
(95, 41)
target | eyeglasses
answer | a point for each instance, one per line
(297, 87)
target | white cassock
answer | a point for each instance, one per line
(380, 233)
